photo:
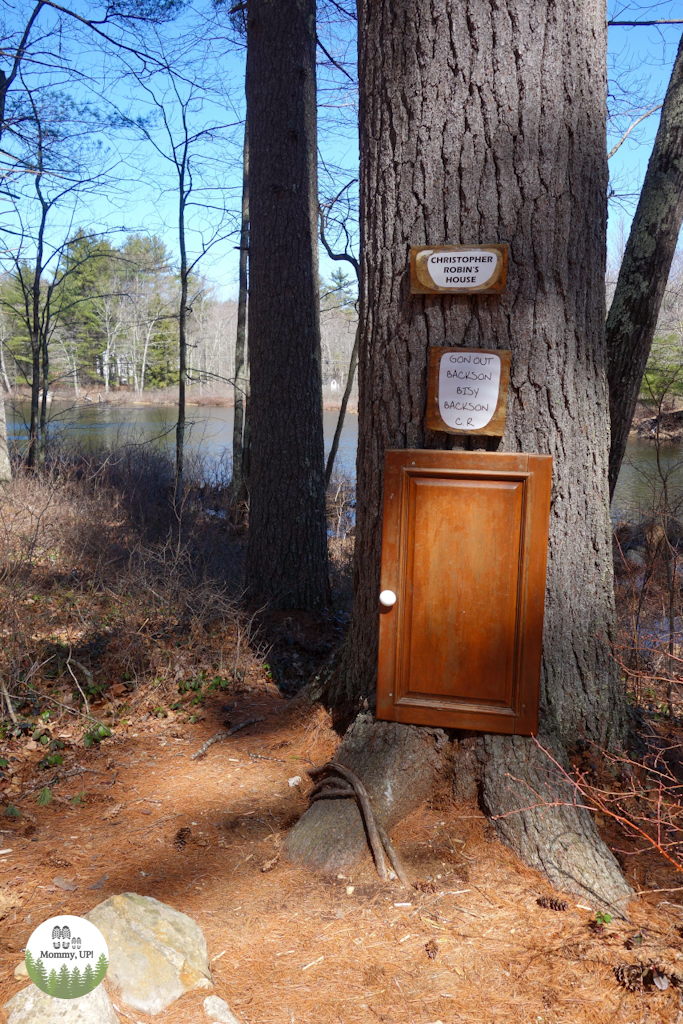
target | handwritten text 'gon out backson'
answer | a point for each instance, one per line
(469, 391)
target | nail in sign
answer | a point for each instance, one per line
(467, 390)
(463, 269)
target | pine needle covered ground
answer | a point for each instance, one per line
(122, 655)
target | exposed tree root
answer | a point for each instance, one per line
(329, 786)
(396, 765)
(538, 814)
(529, 799)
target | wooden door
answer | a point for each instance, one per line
(464, 544)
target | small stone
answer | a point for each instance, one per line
(31, 1006)
(20, 972)
(294, 781)
(350, 889)
(156, 954)
(218, 1010)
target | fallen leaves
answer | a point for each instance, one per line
(100, 881)
(64, 883)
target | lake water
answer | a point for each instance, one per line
(209, 428)
(210, 432)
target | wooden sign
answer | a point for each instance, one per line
(464, 543)
(467, 390)
(458, 269)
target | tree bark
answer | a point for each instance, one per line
(239, 389)
(644, 272)
(287, 547)
(5, 465)
(482, 123)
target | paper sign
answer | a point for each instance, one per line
(467, 390)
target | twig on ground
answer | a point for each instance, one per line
(59, 777)
(223, 735)
(8, 701)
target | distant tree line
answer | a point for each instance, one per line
(113, 322)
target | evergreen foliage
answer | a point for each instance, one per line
(89, 980)
(63, 986)
(76, 987)
(101, 968)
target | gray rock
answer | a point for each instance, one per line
(156, 954)
(219, 1011)
(636, 556)
(31, 1006)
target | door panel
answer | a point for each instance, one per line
(464, 543)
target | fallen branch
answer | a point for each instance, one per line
(8, 701)
(223, 735)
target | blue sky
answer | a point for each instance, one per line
(142, 192)
(639, 66)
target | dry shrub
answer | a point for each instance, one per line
(104, 582)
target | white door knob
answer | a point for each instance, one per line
(387, 598)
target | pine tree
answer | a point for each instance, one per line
(101, 969)
(52, 981)
(76, 983)
(63, 983)
(89, 979)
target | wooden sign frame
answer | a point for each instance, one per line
(421, 282)
(464, 549)
(434, 420)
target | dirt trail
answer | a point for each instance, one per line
(288, 948)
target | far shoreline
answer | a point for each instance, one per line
(195, 398)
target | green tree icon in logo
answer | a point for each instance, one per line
(75, 985)
(63, 983)
(101, 968)
(89, 980)
(37, 972)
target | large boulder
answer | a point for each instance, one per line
(31, 1006)
(156, 954)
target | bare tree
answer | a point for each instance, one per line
(632, 318)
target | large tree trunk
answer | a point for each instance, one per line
(240, 386)
(486, 123)
(287, 548)
(644, 272)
